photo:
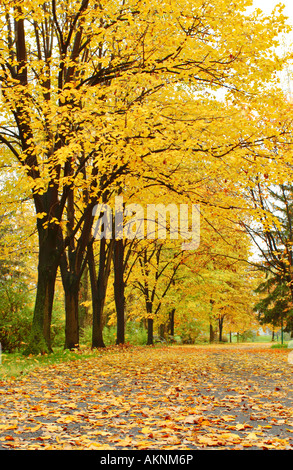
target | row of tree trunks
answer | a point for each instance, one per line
(49, 261)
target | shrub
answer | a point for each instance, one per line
(134, 334)
(15, 315)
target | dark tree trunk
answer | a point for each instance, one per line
(172, 321)
(119, 289)
(221, 322)
(71, 290)
(150, 323)
(83, 299)
(162, 330)
(72, 265)
(99, 288)
(150, 340)
(40, 337)
(97, 328)
(212, 334)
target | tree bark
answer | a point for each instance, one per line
(221, 322)
(172, 321)
(40, 337)
(119, 288)
(72, 265)
(97, 328)
(71, 291)
(83, 297)
(150, 323)
(150, 340)
(99, 288)
(212, 334)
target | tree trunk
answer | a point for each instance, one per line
(221, 321)
(150, 340)
(119, 289)
(83, 298)
(71, 290)
(99, 289)
(97, 306)
(71, 281)
(72, 265)
(162, 331)
(40, 337)
(150, 323)
(172, 321)
(212, 334)
(97, 331)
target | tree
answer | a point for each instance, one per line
(158, 268)
(275, 244)
(275, 305)
(99, 285)
(273, 236)
(91, 92)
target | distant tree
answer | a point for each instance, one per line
(273, 235)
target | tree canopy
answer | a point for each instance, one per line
(172, 100)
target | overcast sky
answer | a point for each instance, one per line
(268, 5)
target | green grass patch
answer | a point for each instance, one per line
(14, 365)
(279, 346)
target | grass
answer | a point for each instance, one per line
(15, 365)
(280, 346)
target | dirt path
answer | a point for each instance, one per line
(214, 397)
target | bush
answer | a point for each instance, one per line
(58, 321)
(86, 336)
(176, 339)
(190, 332)
(109, 335)
(247, 335)
(58, 333)
(15, 315)
(134, 334)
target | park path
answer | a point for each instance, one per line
(177, 397)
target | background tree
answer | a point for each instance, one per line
(273, 236)
(158, 268)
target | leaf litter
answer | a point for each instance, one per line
(177, 397)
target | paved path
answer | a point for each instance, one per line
(171, 398)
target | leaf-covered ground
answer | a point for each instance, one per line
(211, 397)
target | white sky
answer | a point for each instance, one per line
(287, 42)
(268, 5)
